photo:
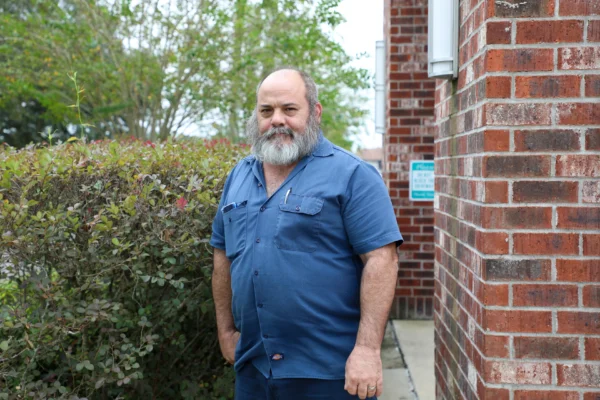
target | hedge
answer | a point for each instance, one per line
(105, 272)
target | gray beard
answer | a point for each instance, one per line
(273, 150)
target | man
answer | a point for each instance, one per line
(305, 260)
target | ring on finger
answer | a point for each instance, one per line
(371, 388)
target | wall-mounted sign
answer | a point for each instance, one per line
(421, 184)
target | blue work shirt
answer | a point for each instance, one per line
(295, 265)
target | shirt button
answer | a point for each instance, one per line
(262, 209)
(260, 185)
(266, 336)
(297, 208)
(258, 240)
(255, 272)
(260, 305)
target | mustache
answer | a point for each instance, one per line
(281, 131)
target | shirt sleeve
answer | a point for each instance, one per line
(217, 239)
(368, 213)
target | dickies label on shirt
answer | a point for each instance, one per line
(277, 356)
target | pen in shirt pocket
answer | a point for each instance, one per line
(287, 194)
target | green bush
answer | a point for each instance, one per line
(105, 271)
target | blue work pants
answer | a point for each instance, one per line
(250, 384)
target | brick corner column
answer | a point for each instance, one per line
(517, 214)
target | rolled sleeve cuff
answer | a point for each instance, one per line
(377, 242)
(217, 241)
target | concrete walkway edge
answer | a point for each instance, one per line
(416, 344)
(396, 380)
(397, 342)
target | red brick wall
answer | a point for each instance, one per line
(517, 216)
(409, 136)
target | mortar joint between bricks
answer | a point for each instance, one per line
(513, 87)
(513, 33)
(511, 347)
(537, 46)
(511, 139)
(539, 101)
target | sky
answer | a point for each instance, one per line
(363, 27)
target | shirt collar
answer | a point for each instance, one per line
(324, 147)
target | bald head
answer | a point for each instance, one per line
(286, 76)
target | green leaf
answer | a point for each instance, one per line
(4, 345)
(115, 241)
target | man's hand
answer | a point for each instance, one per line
(228, 341)
(363, 372)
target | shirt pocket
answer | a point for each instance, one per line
(298, 223)
(234, 222)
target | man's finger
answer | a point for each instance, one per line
(371, 391)
(362, 391)
(350, 387)
(379, 387)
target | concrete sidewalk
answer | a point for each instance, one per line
(396, 381)
(417, 347)
(408, 361)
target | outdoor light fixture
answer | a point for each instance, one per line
(380, 87)
(442, 40)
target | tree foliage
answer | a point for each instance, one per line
(155, 68)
